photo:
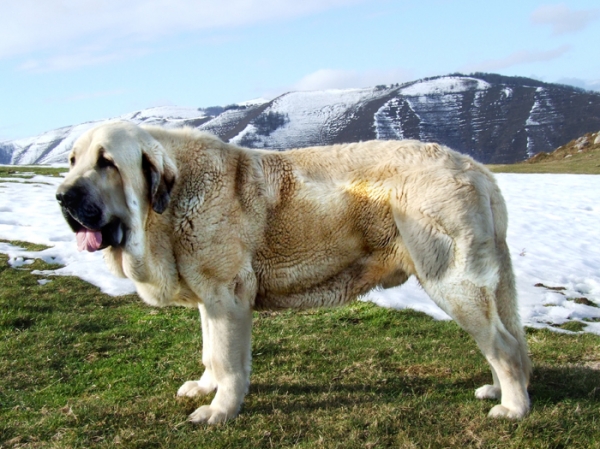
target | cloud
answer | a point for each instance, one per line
(517, 58)
(343, 79)
(563, 20)
(63, 28)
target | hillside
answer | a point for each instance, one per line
(495, 119)
(580, 156)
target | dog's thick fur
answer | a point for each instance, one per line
(196, 221)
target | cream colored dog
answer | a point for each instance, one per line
(196, 221)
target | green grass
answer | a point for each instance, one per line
(585, 164)
(569, 158)
(80, 369)
(25, 245)
(28, 171)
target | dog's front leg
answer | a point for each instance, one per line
(207, 383)
(227, 325)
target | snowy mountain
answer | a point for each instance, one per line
(495, 119)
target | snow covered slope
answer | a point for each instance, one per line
(495, 119)
(553, 239)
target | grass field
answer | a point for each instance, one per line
(578, 156)
(588, 164)
(18, 171)
(81, 369)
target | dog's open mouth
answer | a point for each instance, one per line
(90, 239)
(113, 234)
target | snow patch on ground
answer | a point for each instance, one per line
(553, 237)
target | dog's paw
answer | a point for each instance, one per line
(192, 388)
(209, 415)
(500, 411)
(488, 392)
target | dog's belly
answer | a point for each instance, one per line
(309, 261)
(329, 276)
(335, 289)
(328, 245)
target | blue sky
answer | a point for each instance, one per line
(64, 62)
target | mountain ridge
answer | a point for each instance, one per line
(494, 118)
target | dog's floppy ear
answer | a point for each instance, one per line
(160, 172)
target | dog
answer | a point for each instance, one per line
(195, 221)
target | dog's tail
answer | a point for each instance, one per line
(506, 291)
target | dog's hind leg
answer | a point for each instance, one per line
(493, 391)
(206, 384)
(506, 295)
(475, 286)
(506, 304)
(462, 262)
(475, 309)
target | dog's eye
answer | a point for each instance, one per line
(103, 162)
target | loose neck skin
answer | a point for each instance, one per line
(147, 257)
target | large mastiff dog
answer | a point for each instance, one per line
(195, 221)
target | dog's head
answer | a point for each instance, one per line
(117, 173)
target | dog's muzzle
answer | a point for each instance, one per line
(85, 215)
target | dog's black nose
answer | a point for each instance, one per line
(69, 197)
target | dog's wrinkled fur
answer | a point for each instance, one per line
(230, 230)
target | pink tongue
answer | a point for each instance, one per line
(88, 240)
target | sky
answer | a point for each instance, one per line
(553, 239)
(64, 62)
